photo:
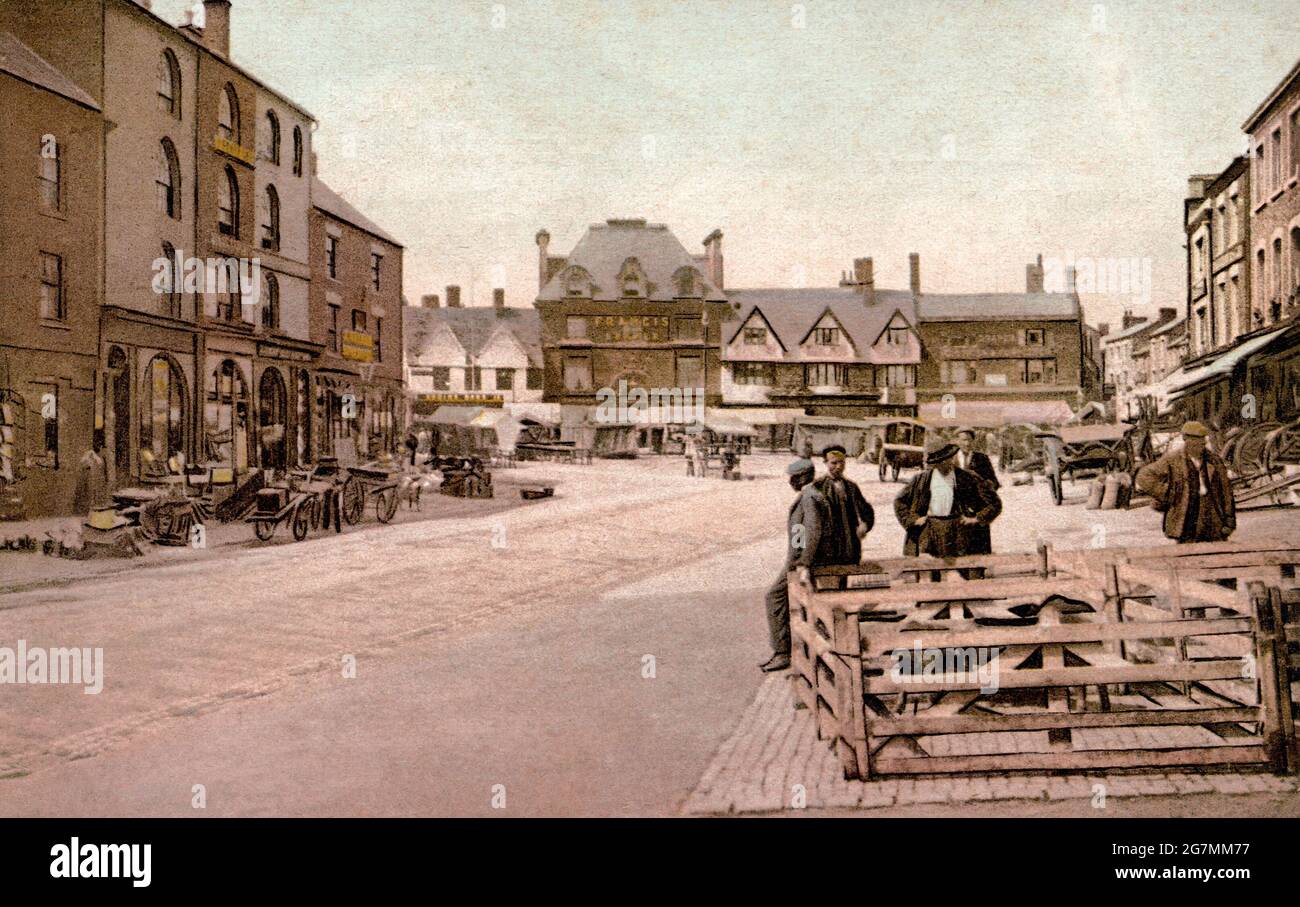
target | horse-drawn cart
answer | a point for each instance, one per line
(1084, 450)
(899, 444)
(366, 483)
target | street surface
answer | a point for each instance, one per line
(582, 655)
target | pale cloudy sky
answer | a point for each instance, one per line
(977, 134)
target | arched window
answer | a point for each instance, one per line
(271, 304)
(271, 220)
(297, 151)
(51, 173)
(162, 409)
(169, 84)
(228, 115)
(172, 282)
(228, 204)
(271, 141)
(169, 180)
(226, 416)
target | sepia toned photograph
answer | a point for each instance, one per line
(676, 409)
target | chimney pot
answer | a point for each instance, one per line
(453, 296)
(499, 300)
(914, 264)
(713, 257)
(429, 301)
(1034, 276)
(1069, 279)
(543, 242)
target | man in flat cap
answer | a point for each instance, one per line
(1190, 485)
(941, 504)
(803, 532)
(849, 516)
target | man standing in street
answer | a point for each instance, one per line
(803, 531)
(972, 460)
(1191, 486)
(941, 505)
(849, 516)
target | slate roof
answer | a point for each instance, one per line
(1142, 327)
(333, 204)
(995, 306)
(17, 59)
(605, 247)
(473, 327)
(793, 312)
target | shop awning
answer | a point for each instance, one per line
(996, 413)
(727, 424)
(757, 416)
(1188, 380)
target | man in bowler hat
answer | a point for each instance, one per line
(941, 504)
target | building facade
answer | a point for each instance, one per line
(51, 217)
(1218, 225)
(630, 304)
(850, 351)
(997, 358)
(463, 356)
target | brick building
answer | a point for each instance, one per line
(1003, 357)
(629, 303)
(51, 216)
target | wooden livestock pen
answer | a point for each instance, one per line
(1105, 659)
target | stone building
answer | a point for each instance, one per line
(850, 351)
(51, 217)
(997, 358)
(1218, 225)
(482, 355)
(1126, 372)
(630, 304)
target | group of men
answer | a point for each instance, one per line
(945, 511)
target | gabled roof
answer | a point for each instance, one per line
(19, 60)
(605, 248)
(791, 313)
(995, 306)
(333, 204)
(1144, 326)
(847, 336)
(763, 318)
(473, 327)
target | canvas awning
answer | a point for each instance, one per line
(757, 416)
(1188, 380)
(996, 413)
(728, 424)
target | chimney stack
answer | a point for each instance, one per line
(1034, 276)
(429, 301)
(543, 242)
(713, 257)
(453, 296)
(1103, 329)
(216, 26)
(864, 274)
(499, 300)
(1069, 279)
(914, 263)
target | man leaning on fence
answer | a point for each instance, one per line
(1191, 486)
(803, 533)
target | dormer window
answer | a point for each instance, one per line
(631, 279)
(896, 336)
(826, 336)
(755, 336)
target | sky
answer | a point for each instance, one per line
(977, 134)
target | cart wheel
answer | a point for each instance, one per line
(354, 501)
(897, 466)
(386, 505)
(883, 467)
(318, 513)
(301, 522)
(264, 529)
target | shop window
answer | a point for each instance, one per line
(753, 373)
(824, 374)
(162, 409)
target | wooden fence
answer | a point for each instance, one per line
(1077, 660)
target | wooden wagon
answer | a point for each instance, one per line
(900, 444)
(1262, 458)
(1084, 450)
(1091, 660)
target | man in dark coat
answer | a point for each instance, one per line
(1191, 485)
(849, 515)
(941, 504)
(803, 530)
(972, 460)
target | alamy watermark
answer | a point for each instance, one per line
(209, 276)
(1106, 276)
(655, 406)
(35, 664)
(969, 664)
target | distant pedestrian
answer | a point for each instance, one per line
(849, 516)
(688, 451)
(92, 478)
(803, 530)
(974, 460)
(412, 445)
(942, 504)
(1190, 485)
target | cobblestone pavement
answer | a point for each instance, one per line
(774, 762)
